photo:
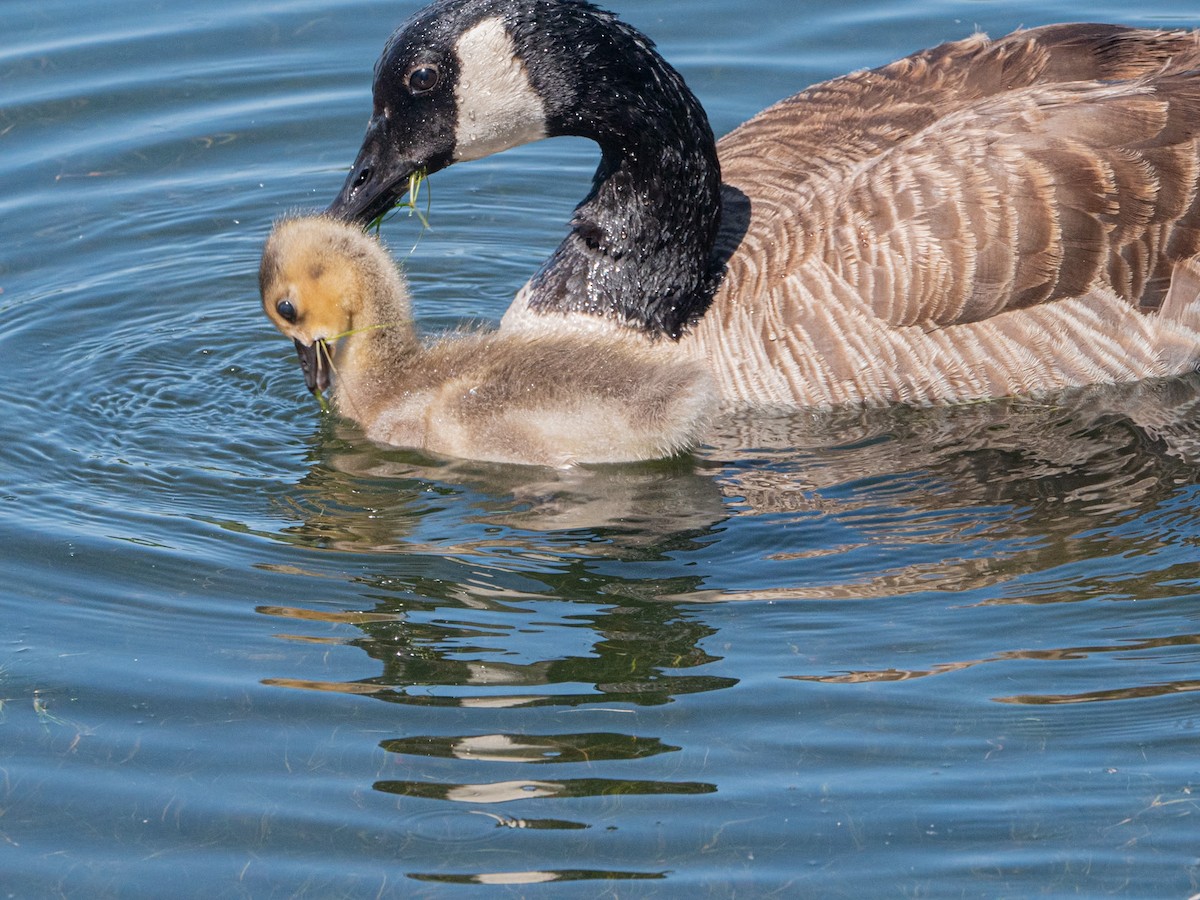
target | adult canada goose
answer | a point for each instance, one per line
(978, 219)
(538, 399)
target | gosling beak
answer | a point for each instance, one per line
(312, 364)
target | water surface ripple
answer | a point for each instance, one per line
(246, 653)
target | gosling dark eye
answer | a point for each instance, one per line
(286, 310)
(423, 79)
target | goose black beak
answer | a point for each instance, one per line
(365, 196)
(377, 180)
(312, 364)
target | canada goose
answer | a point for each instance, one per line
(537, 399)
(978, 219)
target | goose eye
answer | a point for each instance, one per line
(286, 310)
(423, 79)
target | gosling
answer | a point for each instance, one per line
(512, 398)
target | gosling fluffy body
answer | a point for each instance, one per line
(544, 400)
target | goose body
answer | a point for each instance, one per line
(551, 400)
(979, 219)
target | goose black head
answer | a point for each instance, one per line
(463, 79)
(450, 85)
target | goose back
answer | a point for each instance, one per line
(981, 218)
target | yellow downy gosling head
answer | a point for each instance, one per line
(544, 400)
(324, 283)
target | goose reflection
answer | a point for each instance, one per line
(1057, 654)
(639, 654)
(444, 653)
(497, 600)
(863, 505)
(1094, 449)
(1007, 488)
(358, 497)
(1002, 486)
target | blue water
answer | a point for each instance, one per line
(939, 653)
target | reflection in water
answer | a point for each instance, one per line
(1131, 693)
(497, 878)
(1055, 655)
(500, 590)
(634, 654)
(1006, 471)
(361, 497)
(526, 748)
(503, 821)
(506, 791)
(1008, 488)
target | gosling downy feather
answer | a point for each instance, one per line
(521, 398)
(978, 219)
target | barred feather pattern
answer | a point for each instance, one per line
(980, 219)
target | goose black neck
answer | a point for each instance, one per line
(640, 250)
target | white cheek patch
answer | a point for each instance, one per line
(498, 107)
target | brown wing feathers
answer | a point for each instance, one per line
(978, 177)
